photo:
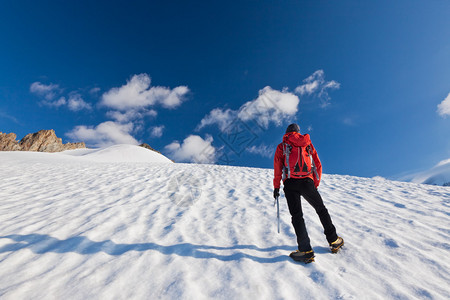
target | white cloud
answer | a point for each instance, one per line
(193, 149)
(54, 103)
(49, 91)
(443, 162)
(316, 84)
(131, 102)
(157, 131)
(262, 150)
(222, 118)
(137, 93)
(9, 117)
(271, 106)
(331, 85)
(76, 103)
(105, 134)
(131, 115)
(307, 88)
(444, 107)
(94, 90)
(172, 98)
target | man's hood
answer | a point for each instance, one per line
(296, 139)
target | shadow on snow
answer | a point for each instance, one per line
(41, 243)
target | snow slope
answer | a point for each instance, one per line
(74, 228)
(119, 153)
(438, 175)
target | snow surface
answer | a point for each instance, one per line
(438, 175)
(119, 153)
(75, 228)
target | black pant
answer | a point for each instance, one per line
(294, 188)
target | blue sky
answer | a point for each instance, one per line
(215, 81)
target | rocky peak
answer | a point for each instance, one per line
(147, 146)
(8, 142)
(41, 141)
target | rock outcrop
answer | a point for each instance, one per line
(41, 141)
(147, 146)
(8, 142)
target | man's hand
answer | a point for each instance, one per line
(276, 193)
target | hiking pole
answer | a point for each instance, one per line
(278, 212)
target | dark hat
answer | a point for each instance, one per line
(293, 128)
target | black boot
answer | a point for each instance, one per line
(336, 245)
(305, 257)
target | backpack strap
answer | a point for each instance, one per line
(286, 151)
(313, 165)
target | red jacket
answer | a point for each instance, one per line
(298, 140)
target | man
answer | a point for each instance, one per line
(296, 163)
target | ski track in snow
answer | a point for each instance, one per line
(77, 229)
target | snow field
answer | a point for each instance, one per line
(75, 228)
(437, 175)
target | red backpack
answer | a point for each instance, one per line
(297, 162)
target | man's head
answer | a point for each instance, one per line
(293, 128)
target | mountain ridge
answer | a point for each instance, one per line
(41, 141)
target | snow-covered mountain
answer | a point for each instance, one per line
(119, 153)
(438, 175)
(98, 225)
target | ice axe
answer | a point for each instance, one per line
(278, 212)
